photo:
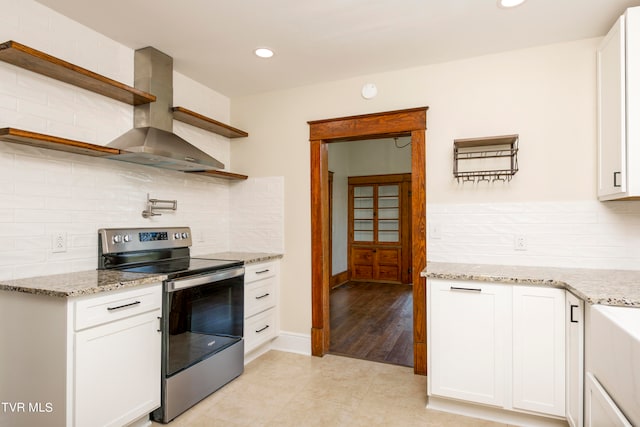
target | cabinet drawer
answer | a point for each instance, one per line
(111, 306)
(260, 329)
(259, 271)
(259, 296)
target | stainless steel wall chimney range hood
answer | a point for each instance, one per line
(152, 141)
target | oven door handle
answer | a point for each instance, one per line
(176, 285)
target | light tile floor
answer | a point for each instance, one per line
(285, 389)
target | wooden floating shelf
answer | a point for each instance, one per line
(206, 123)
(222, 174)
(34, 139)
(486, 141)
(40, 140)
(50, 66)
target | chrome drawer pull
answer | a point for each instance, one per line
(263, 296)
(262, 271)
(123, 306)
(455, 288)
(263, 329)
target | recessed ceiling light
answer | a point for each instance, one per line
(263, 52)
(509, 3)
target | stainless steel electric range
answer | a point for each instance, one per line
(202, 310)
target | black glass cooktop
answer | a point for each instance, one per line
(179, 267)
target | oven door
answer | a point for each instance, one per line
(203, 316)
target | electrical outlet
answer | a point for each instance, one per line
(59, 242)
(520, 242)
(435, 231)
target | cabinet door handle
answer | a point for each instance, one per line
(455, 288)
(262, 329)
(123, 306)
(571, 313)
(615, 179)
(159, 324)
(262, 271)
(263, 296)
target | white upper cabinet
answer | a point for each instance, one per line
(618, 68)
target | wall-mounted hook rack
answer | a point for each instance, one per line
(153, 206)
(478, 150)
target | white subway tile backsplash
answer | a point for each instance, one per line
(586, 234)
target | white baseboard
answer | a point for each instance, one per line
(293, 343)
(492, 414)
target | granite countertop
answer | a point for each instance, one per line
(247, 257)
(607, 287)
(80, 283)
(95, 281)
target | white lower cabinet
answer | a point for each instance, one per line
(497, 345)
(85, 361)
(539, 350)
(468, 335)
(261, 322)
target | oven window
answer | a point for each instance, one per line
(202, 320)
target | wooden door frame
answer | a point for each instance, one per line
(410, 122)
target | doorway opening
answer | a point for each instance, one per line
(403, 123)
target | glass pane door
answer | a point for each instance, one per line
(388, 213)
(363, 213)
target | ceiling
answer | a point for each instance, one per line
(212, 41)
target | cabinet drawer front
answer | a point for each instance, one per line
(260, 329)
(363, 272)
(260, 271)
(259, 296)
(388, 256)
(362, 256)
(112, 306)
(389, 272)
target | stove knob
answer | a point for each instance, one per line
(127, 238)
(176, 236)
(117, 238)
(185, 235)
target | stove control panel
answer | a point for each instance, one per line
(115, 240)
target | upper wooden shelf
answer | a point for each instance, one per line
(206, 123)
(24, 137)
(42, 63)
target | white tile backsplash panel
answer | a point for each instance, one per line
(257, 222)
(587, 234)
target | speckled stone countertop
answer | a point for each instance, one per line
(95, 281)
(608, 287)
(79, 283)
(247, 257)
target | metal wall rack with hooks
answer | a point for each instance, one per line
(492, 147)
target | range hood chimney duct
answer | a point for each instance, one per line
(152, 141)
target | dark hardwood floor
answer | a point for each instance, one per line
(373, 321)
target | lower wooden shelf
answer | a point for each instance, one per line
(34, 139)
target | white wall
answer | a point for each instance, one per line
(545, 94)
(43, 192)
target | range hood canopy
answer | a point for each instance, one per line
(152, 141)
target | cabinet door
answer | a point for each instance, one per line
(468, 331)
(117, 371)
(612, 173)
(362, 263)
(575, 359)
(539, 350)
